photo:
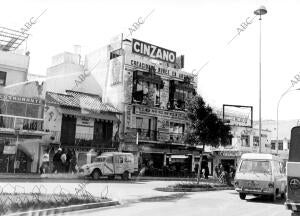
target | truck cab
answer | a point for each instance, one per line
(293, 173)
(110, 164)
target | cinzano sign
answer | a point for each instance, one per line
(152, 51)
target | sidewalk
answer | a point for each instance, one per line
(74, 176)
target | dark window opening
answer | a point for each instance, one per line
(2, 78)
(146, 88)
(180, 92)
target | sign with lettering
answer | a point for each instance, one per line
(19, 99)
(139, 62)
(230, 153)
(85, 122)
(160, 113)
(10, 150)
(152, 51)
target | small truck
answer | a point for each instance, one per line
(293, 173)
(110, 164)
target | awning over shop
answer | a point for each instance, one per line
(84, 113)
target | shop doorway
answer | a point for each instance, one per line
(227, 163)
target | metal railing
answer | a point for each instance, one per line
(83, 140)
(153, 135)
(12, 122)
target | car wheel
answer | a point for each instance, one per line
(125, 175)
(242, 196)
(96, 174)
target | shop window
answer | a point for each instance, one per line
(2, 78)
(245, 140)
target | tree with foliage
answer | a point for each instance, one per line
(206, 128)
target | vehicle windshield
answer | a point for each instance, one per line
(99, 159)
(256, 166)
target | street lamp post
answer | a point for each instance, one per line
(260, 11)
(277, 125)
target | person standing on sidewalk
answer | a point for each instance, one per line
(57, 161)
(73, 162)
(63, 161)
(45, 163)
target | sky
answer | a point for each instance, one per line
(199, 29)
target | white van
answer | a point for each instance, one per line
(110, 164)
(260, 174)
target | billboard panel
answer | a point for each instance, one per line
(238, 115)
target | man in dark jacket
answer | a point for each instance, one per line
(57, 161)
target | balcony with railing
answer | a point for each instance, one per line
(153, 135)
(8, 123)
(83, 140)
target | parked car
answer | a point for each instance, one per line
(110, 164)
(260, 174)
(293, 173)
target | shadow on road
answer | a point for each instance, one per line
(172, 197)
(264, 199)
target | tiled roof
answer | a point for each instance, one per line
(80, 100)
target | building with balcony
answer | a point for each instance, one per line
(21, 107)
(81, 122)
(151, 92)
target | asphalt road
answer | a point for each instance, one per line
(217, 203)
(139, 198)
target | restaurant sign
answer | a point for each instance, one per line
(139, 62)
(159, 113)
(152, 51)
(19, 99)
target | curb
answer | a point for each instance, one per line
(171, 189)
(65, 209)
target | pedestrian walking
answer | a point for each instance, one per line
(217, 171)
(68, 160)
(45, 162)
(73, 162)
(63, 160)
(57, 161)
(206, 172)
